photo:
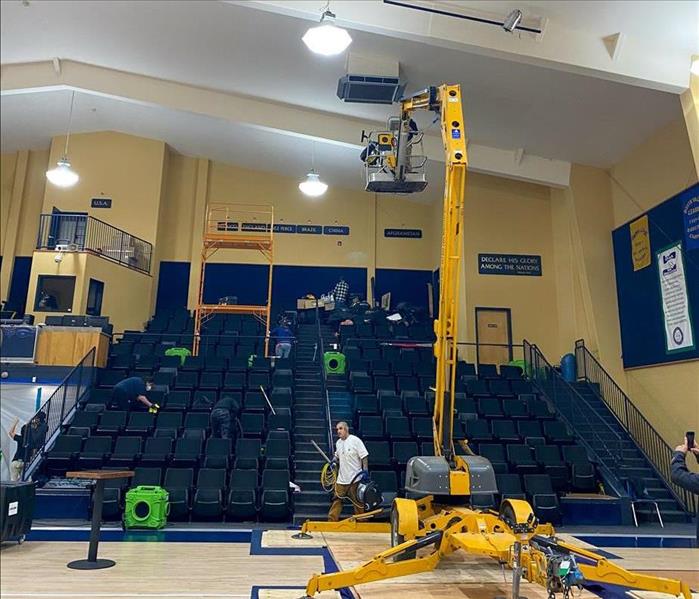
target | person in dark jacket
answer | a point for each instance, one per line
(222, 415)
(681, 476)
(131, 393)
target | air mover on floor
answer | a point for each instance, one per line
(146, 507)
(334, 362)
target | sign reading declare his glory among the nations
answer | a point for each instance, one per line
(509, 264)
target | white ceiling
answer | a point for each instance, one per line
(35, 118)
(233, 48)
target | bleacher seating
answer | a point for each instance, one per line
(498, 413)
(241, 478)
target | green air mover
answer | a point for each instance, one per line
(334, 362)
(146, 507)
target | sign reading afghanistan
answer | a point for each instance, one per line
(509, 264)
(673, 295)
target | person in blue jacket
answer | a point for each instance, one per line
(131, 392)
(284, 338)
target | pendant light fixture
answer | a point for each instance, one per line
(62, 175)
(327, 39)
(312, 186)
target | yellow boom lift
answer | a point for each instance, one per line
(441, 518)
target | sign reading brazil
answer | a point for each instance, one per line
(673, 295)
(509, 264)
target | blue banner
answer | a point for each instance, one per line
(310, 229)
(335, 230)
(690, 213)
(509, 264)
(255, 226)
(101, 203)
(405, 233)
(282, 228)
(226, 225)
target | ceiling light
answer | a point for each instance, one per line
(695, 67)
(326, 38)
(512, 20)
(312, 186)
(63, 175)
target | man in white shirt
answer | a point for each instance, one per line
(353, 458)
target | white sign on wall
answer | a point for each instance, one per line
(673, 295)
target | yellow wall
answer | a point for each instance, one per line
(8, 162)
(657, 169)
(125, 168)
(22, 192)
(126, 291)
(511, 217)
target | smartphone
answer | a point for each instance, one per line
(690, 439)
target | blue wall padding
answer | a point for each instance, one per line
(19, 284)
(638, 293)
(173, 285)
(405, 285)
(248, 282)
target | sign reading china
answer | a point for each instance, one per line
(509, 264)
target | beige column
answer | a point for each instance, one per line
(690, 108)
(9, 236)
(200, 202)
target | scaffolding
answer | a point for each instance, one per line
(235, 227)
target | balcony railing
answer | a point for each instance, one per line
(83, 233)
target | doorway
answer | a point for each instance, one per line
(493, 326)
(95, 292)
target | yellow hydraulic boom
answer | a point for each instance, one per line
(441, 519)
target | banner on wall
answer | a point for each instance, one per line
(690, 213)
(527, 265)
(673, 295)
(640, 243)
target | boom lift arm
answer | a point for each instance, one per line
(441, 518)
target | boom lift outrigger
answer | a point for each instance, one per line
(441, 518)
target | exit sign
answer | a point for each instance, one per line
(101, 202)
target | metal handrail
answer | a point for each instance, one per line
(533, 358)
(569, 402)
(90, 234)
(649, 442)
(56, 410)
(323, 380)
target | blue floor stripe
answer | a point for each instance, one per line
(162, 536)
(633, 541)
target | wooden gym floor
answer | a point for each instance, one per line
(261, 569)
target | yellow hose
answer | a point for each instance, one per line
(328, 478)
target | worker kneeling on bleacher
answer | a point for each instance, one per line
(352, 462)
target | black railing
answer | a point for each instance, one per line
(595, 433)
(320, 354)
(46, 424)
(642, 432)
(79, 232)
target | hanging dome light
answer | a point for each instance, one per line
(326, 38)
(312, 186)
(62, 175)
